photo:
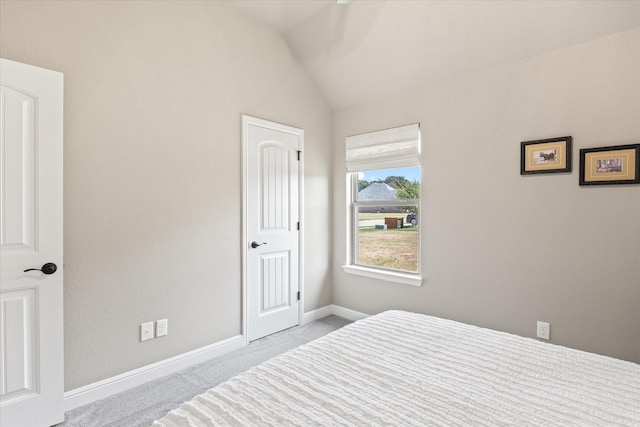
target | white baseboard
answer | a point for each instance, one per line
(105, 388)
(347, 313)
(316, 314)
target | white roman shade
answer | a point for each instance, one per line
(385, 149)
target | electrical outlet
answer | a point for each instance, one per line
(162, 327)
(146, 331)
(544, 329)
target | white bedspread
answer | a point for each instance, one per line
(402, 369)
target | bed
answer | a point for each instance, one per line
(400, 368)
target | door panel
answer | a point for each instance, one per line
(17, 189)
(274, 197)
(272, 209)
(31, 318)
(19, 369)
(275, 284)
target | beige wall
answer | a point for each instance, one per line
(501, 250)
(154, 93)
(153, 97)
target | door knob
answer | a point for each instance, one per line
(48, 268)
(256, 244)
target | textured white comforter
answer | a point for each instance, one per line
(402, 369)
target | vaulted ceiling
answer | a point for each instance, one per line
(366, 50)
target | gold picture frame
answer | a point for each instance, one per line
(615, 165)
(551, 155)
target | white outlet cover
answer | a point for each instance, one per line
(162, 327)
(146, 331)
(543, 330)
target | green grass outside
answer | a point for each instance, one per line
(406, 228)
(395, 249)
(366, 216)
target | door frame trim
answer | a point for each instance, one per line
(246, 121)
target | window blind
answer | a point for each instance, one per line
(385, 149)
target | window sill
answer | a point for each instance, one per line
(389, 276)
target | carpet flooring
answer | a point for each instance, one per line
(141, 405)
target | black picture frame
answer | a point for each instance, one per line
(613, 165)
(552, 155)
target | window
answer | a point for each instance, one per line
(384, 183)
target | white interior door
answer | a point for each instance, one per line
(272, 217)
(31, 340)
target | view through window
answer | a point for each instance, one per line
(387, 223)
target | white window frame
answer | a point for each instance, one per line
(390, 275)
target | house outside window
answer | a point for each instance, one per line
(383, 170)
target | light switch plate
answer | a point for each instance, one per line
(146, 331)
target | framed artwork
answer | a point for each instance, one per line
(551, 155)
(614, 165)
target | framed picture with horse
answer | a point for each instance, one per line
(551, 155)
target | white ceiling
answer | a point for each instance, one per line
(281, 14)
(368, 49)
